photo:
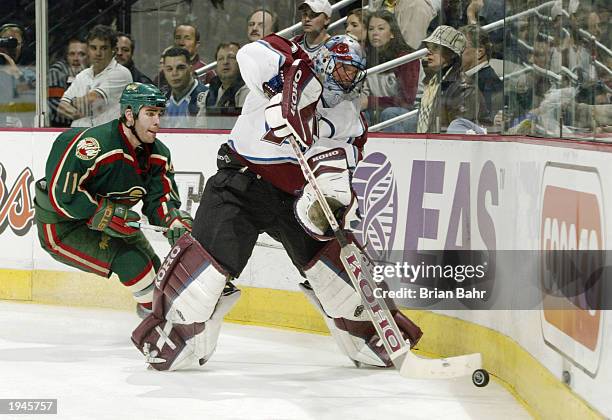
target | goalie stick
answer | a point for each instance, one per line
(358, 265)
(162, 229)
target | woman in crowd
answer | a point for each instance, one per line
(393, 92)
(356, 25)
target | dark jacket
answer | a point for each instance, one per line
(138, 76)
(492, 89)
(458, 98)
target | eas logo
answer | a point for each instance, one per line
(376, 190)
(571, 233)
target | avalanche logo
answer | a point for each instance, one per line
(376, 190)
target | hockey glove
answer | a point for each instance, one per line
(275, 119)
(330, 168)
(112, 218)
(179, 222)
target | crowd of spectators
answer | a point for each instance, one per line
(555, 62)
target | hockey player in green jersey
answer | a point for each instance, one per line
(93, 177)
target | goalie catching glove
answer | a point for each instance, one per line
(332, 173)
(178, 222)
(113, 219)
(275, 119)
(293, 111)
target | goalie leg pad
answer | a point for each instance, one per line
(350, 342)
(169, 346)
(332, 285)
(188, 284)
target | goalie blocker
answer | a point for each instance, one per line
(191, 297)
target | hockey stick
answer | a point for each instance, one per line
(162, 229)
(358, 266)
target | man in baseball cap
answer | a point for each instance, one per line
(316, 16)
(318, 6)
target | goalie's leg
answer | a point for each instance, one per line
(169, 346)
(330, 290)
(191, 297)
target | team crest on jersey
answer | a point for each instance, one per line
(87, 148)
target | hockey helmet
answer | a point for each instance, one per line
(340, 65)
(449, 37)
(136, 95)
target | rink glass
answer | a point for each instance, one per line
(555, 61)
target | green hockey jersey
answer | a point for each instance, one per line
(86, 164)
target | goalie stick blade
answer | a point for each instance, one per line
(412, 366)
(416, 367)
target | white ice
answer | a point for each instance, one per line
(85, 359)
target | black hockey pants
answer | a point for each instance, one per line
(236, 207)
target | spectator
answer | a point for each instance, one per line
(17, 82)
(580, 51)
(227, 90)
(356, 25)
(316, 16)
(125, 57)
(448, 95)
(561, 112)
(61, 75)
(475, 65)
(519, 102)
(483, 12)
(93, 98)
(393, 92)
(261, 22)
(518, 41)
(187, 36)
(12, 30)
(591, 108)
(451, 13)
(594, 93)
(185, 90)
(412, 16)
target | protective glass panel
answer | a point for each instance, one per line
(17, 65)
(187, 49)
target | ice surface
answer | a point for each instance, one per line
(85, 359)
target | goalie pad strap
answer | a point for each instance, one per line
(162, 342)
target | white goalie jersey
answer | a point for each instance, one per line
(261, 65)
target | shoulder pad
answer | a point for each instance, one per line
(290, 49)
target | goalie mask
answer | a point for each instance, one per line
(340, 65)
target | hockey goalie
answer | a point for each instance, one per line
(258, 188)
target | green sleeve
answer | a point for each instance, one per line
(162, 192)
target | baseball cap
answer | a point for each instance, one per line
(556, 9)
(319, 6)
